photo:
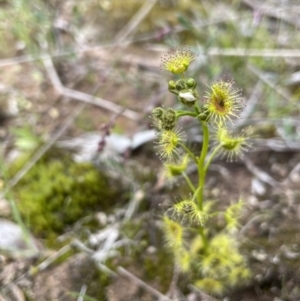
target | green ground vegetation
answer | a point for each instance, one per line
(57, 192)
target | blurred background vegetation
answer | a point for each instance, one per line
(74, 72)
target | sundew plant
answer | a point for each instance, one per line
(212, 256)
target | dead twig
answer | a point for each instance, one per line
(102, 103)
(121, 271)
(81, 96)
(142, 284)
(203, 296)
(256, 218)
(275, 145)
(54, 78)
(15, 292)
(42, 266)
(175, 278)
(261, 175)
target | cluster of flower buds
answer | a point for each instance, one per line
(185, 90)
(166, 118)
(220, 104)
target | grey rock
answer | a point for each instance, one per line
(16, 241)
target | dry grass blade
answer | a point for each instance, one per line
(246, 52)
(131, 26)
(271, 84)
(42, 266)
(278, 13)
(251, 103)
(82, 293)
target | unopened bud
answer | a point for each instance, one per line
(191, 83)
(158, 113)
(169, 120)
(171, 85)
(180, 85)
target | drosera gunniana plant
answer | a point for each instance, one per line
(214, 257)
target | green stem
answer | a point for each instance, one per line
(201, 169)
(196, 194)
(216, 150)
(188, 152)
(202, 174)
(204, 238)
(185, 113)
(189, 182)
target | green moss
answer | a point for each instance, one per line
(159, 268)
(57, 192)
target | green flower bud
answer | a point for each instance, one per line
(180, 85)
(158, 113)
(191, 83)
(169, 120)
(171, 85)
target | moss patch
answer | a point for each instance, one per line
(57, 192)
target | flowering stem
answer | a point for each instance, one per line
(195, 193)
(202, 174)
(204, 238)
(188, 152)
(201, 169)
(185, 113)
(216, 150)
(189, 182)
